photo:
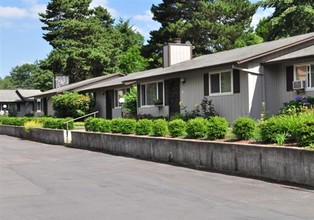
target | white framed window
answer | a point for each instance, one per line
(118, 94)
(221, 83)
(305, 72)
(152, 93)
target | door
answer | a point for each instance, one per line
(172, 90)
(109, 103)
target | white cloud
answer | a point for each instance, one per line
(261, 14)
(104, 4)
(147, 16)
(13, 12)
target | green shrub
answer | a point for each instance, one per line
(124, 126)
(144, 127)
(15, 121)
(196, 128)
(244, 128)
(58, 123)
(160, 127)
(177, 128)
(97, 125)
(282, 124)
(217, 128)
(298, 105)
(306, 134)
(130, 102)
(71, 105)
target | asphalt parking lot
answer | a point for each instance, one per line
(40, 181)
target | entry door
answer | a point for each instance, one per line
(172, 90)
(109, 103)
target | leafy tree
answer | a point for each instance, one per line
(130, 103)
(130, 60)
(6, 83)
(84, 40)
(210, 25)
(290, 18)
(28, 76)
(263, 28)
(21, 76)
(71, 105)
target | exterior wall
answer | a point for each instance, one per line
(192, 93)
(228, 106)
(155, 111)
(116, 113)
(50, 108)
(25, 108)
(101, 104)
(275, 84)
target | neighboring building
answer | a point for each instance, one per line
(238, 81)
(45, 97)
(18, 102)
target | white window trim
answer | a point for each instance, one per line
(163, 93)
(307, 77)
(220, 93)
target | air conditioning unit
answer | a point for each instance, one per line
(298, 84)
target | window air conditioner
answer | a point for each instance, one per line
(299, 84)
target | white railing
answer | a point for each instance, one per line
(75, 119)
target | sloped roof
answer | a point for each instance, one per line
(306, 52)
(114, 82)
(12, 95)
(76, 86)
(235, 56)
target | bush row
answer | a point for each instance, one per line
(213, 128)
(289, 128)
(45, 122)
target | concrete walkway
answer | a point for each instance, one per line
(39, 181)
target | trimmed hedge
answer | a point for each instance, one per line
(177, 128)
(217, 128)
(47, 122)
(124, 126)
(196, 128)
(144, 127)
(97, 125)
(160, 127)
(244, 128)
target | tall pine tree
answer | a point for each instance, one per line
(210, 25)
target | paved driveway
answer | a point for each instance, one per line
(39, 181)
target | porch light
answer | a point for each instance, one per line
(183, 80)
(4, 106)
(121, 100)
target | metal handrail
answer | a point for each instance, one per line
(84, 116)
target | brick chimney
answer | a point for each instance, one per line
(176, 52)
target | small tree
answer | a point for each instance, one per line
(130, 102)
(71, 105)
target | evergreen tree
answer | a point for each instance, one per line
(210, 25)
(84, 40)
(290, 18)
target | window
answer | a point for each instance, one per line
(118, 94)
(152, 93)
(221, 82)
(305, 72)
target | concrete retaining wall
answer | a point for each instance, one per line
(277, 163)
(292, 165)
(49, 136)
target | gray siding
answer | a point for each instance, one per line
(192, 94)
(101, 104)
(275, 82)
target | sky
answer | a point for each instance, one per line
(21, 34)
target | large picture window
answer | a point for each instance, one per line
(221, 83)
(152, 93)
(305, 72)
